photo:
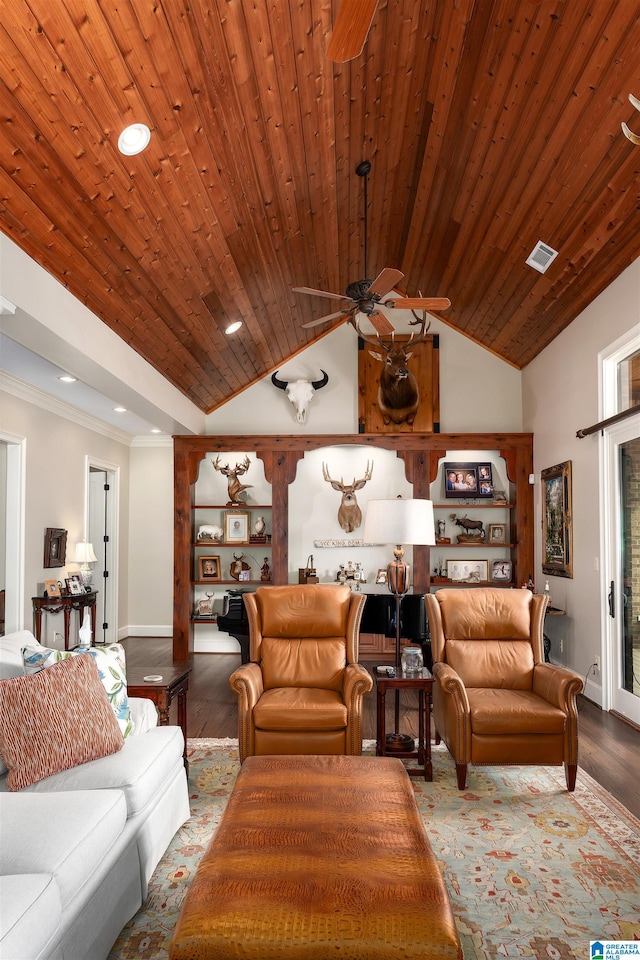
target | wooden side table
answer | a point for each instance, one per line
(423, 683)
(65, 605)
(173, 683)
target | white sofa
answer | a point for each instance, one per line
(77, 849)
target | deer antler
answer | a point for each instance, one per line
(223, 470)
(377, 342)
(242, 467)
(423, 330)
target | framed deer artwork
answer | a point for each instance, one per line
(382, 363)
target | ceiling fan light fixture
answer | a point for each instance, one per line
(134, 139)
(233, 327)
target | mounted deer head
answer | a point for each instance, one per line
(349, 513)
(234, 487)
(398, 391)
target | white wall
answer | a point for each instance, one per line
(478, 392)
(55, 469)
(560, 396)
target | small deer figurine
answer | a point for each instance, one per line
(234, 487)
(349, 513)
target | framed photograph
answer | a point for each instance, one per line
(472, 480)
(381, 576)
(209, 568)
(53, 588)
(501, 571)
(497, 533)
(467, 571)
(557, 530)
(75, 586)
(55, 547)
(236, 526)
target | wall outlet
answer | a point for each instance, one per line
(561, 645)
(596, 660)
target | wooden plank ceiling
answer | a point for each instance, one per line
(490, 125)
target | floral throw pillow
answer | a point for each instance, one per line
(111, 668)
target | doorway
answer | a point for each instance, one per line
(622, 463)
(102, 529)
(13, 535)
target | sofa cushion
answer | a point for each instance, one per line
(54, 720)
(11, 645)
(30, 914)
(64, 835)
(111, 667)
(140, 769)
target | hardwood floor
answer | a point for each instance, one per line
(609, 747)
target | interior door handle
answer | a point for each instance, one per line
(612, 600)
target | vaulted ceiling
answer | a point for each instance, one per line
(489, 124)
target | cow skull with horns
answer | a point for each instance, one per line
(300, 392)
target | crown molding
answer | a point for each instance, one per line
(26, 391)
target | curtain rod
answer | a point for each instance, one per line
(607, 423)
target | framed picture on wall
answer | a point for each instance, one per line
(55, 547)
(557, 529)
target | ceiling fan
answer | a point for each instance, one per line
(351, 29)
(364, 296)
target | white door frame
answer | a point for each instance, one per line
(14, 545)
(112, 471)
(614, 696)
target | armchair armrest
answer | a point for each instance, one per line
(557, 686)
(451, 684)
(356, 682)
(247, 682)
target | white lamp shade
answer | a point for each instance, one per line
(399, 521)
(84, 553)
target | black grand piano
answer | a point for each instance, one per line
(379, 616)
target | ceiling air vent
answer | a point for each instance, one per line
(541, 256)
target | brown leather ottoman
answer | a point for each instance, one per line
(318, 857)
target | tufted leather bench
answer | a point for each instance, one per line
(318, 857)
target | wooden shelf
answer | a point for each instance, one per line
(460, 546)
(238, 583)
(233, 544)
(225, 506)
(443, 582)
(475, 506)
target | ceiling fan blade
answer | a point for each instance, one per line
(330, 316)
(385, 281)
(350, 29)
(381, 324)
(320, 293)
(419, 303)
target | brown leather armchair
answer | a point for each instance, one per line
(495, 701)
(303, 688)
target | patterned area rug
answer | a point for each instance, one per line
(532, 871)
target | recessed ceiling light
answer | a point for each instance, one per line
(155, 430)
(134, 139)
(120, 409)
(67, 378)
(233, 326)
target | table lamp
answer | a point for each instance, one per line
(399, 522)
(84, 555)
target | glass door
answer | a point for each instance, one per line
(623, 459)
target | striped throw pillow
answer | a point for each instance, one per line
(55, 720)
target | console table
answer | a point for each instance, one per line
(65, 605)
